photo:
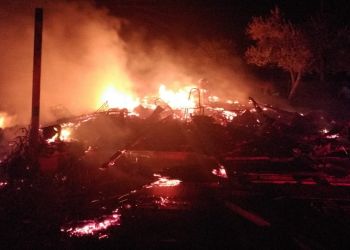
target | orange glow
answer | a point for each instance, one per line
(220, 172)
(232, 102)
(118, 99)
(163, 201)
(325, 131)
(6, 120)
(3, 183)
(177, 99)
(164, 182)
(64, 135)
(213, 98)
(96, 226)
(2, 121)
(229, 115)
(52, 139)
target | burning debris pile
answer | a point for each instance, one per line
(93, 158)
(190, 124)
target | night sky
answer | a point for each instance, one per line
(177, 20)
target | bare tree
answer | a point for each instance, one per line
(281, 44)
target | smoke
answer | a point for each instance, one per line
(84, 52)
(186, 62)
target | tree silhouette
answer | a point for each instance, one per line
(279, 43)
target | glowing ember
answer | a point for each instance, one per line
(164, 182)
(52, 139)
(229, 115)
(163, 201)
(93, 227)
(3, 184)
(325, 131)
(213, 98)
(170, 203)
(232, 102)
(65, 133)
(333, 136)
(118, 99)
(220, 171)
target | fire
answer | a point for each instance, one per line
(229, 115)
(118, 99)
(177, 99)
(163, 182)
(52, 139)
(220, 171)
(5, 120)
(325, 131)
(96, 226)
(184, 98)
(3, 183)
(2, 121)
(63, 135)
(213, 98)
(189, 99)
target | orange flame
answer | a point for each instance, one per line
(63, 135)
(6, 120)
(177, 99)
(2, 121)
(118, 99)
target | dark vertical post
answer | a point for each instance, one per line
(38, 30)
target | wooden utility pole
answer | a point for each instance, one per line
(38, 30)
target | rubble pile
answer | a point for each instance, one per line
(250, 135)
(88, 162)
(244, 138)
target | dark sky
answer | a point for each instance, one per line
(215, 18)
